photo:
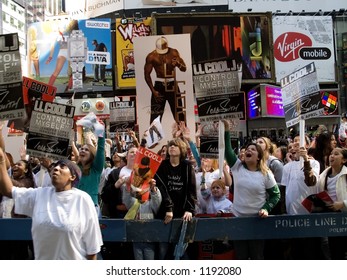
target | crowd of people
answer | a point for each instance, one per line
(66, 198)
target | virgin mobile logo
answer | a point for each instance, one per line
(288, 45)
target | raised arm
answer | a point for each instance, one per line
(2, 145)
(230, 155)
(5, 181)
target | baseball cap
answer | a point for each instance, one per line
(161, 45)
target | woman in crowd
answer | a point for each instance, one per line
(281, 153)
(64, 222)
(255, 191)
(333, 181)
(111, 195)
(324, 143)
(163, 152)
(91, 161)
(175, 179)
(274, 164)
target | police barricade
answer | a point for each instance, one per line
(215, 249)
(203, 229)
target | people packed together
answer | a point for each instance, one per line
(102, 178)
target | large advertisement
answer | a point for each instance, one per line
(299, 40)
(164, 82)
(48, 53)
(126, 30)
(245, 39)
(301, 95)
(11, 98)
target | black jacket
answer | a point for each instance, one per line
(176, 200)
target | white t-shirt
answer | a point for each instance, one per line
(125, 172)
(64, 224)
(296, 190)
(42, 178)
(249, 190)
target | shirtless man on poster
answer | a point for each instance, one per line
(164, 60)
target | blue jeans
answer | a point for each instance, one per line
(144, 250)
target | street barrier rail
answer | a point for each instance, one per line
(201, 229)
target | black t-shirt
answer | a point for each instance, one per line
(178, 188)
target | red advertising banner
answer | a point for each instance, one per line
(145, 167)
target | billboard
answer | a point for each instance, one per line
(265, 101)
(47, 49)
(164, 82)
(126, 30)
(299, 40)
(246, 39)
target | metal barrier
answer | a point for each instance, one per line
(201, 229)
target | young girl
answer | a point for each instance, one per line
(142, 211)
(214, 200)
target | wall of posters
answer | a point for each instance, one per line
(50, 49)
(126, 30)
(299, 40)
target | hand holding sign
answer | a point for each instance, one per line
(92, 122)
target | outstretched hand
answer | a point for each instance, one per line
(226, 125)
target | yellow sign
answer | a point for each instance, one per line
(126, 30)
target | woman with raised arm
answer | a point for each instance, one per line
(64, 221)
(255, 191)
(91, 161)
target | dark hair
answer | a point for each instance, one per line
(74, 169)
(284, 151)
(307, 139)
(344, 154)
(322, 149)
(29, 173)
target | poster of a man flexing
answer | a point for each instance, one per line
(164, 84)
